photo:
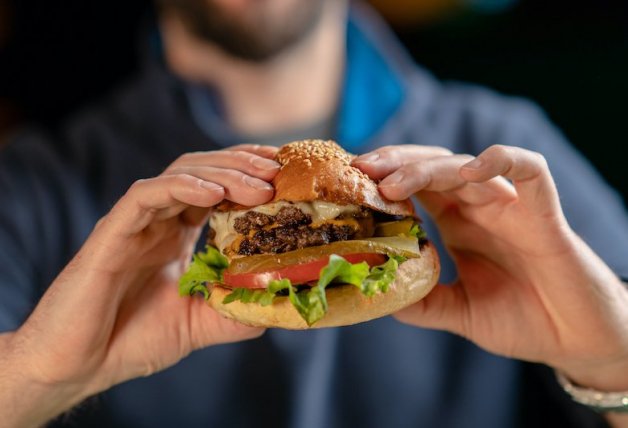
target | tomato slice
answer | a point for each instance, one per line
(297, 274)
(397, 245)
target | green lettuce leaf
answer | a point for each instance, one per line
(379, 278)
(312, 303)
(205, 267)
(276, 285)
(417, 231)
(213, 257)
(247, 295)
(340, 270)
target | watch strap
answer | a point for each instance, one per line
(597, 400)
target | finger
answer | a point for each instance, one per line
(441, 174)
(435, 174)
(268, 152)
(382, 162)
(145, 198)
(527, 170)
(102, 252)
(444, 308)
(436, 204)
(239, 187)
(248, 163)
(195, 216)
(189, 216)
(209, 328)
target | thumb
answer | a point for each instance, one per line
(444, 308)
(208, 327)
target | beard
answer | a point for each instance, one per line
(256, 32)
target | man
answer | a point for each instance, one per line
(238, 73)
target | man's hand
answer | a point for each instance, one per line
(114, 312)
(528, 287)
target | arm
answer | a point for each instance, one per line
(617, 421)
(528, 286)
(44, 402)
(114, 313)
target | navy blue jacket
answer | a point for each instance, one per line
(54, 187)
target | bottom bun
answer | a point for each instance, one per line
(347, 305)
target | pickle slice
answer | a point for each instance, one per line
(395, 228)
(393, 245)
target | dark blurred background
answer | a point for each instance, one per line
(571, 56)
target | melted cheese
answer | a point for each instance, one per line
(321, 212)
(351, 222)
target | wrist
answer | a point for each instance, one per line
(26, 400)
(607, 370)
(608, 377)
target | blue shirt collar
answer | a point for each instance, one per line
(372, 91)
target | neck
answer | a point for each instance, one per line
(294, 89)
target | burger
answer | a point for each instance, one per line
(328, 250)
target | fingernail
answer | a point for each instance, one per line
(265, 164)
(370, 158)
(474, 164)
(392, 180)
(211, 186)
(257, 184)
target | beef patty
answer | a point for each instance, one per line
(291, 229)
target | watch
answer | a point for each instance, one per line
(596, 400)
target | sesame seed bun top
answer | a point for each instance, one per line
(318, 170)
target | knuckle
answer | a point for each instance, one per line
(539, 159)
(422, 150)
(185, 179)
(231, 174)
(243, 148)
(499, 150)
(387, 149)
(382, 152)
(138, 185)
(235, 151)
(442, 151)
(244, 180)
(390, 152)
(417, 164)
(184, 158)
(101, 222)
(173, 170)
(465, 157)
(244, 157)
(237, 155)
(421, 166)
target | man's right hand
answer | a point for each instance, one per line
(114, 313)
